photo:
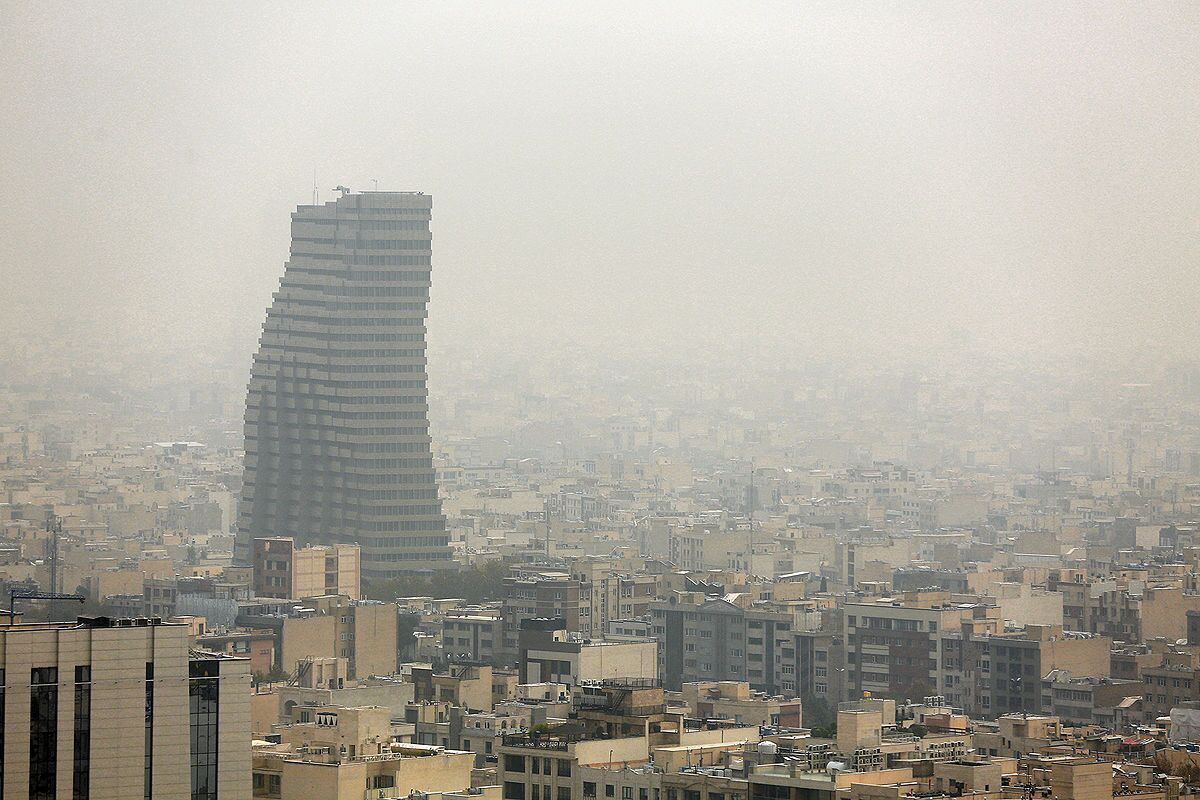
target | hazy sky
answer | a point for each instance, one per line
(821, 172)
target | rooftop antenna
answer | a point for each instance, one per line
(54, 528)
(345, 190)
(376, 182)
(316, 194)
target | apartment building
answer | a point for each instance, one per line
(717, 639)
(343, 753)
(473, 637)
(548, 653)
(282, 570)
(361, 631)
(543, 594)
(1173, 681)
(894, 644)
(113, 708)
(736, 701)
(1090, 700)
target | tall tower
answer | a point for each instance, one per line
(337, 412)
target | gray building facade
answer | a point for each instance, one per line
(337, 430)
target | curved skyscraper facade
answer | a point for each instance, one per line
(337, 423)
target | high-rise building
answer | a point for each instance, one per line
(107, 708)
(337, 429)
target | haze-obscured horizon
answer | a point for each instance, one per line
(813, 177)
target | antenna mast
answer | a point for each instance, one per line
(54, 528)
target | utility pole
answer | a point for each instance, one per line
(54, 528)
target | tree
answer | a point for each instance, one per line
(276, 675)
(818, 712)
(475, 585)
(406, 645)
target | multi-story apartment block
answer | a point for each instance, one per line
(543, 594)
(1173, 681)
(361, 631)
(337, 432)
(894, 645)
(715, 639)
(549, 653)
(115, 708)
(282, 570)
(348, 754)
(473, 637)
(1090, 700)
(820, 665)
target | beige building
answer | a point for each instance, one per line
(361, 631)
(113, 709)
(282, 570)
(349, 754)
(733, 700)
(548, 653)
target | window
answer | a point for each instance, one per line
(589, 788)
(203, 709)
(515, 763)
(610, 790)
(514, 790)
(43, 733)
(626, 793)
(564, 793)
(564, 768)
(81, 769)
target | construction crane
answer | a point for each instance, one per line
(25, 594)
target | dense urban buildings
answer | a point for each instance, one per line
(690, 589)
(337, 431)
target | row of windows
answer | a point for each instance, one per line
(375, 244)
(271, 487)
(343, 210)
(336, 305)
(344, 290)
(392, 447)
(319, 256)
(390, 261)
(391, 224)
(313, 400)
(421, 276)
(381, 415)
(395, 494)
(360, 275)
(365, 463)
(345, 322)
(369, 368)
(408, 541)
(347, 337)
(315, 427)
(383, 511)
(336, 384)
(538, 766)
(400, 525)
(327, 352)
(440, 555)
